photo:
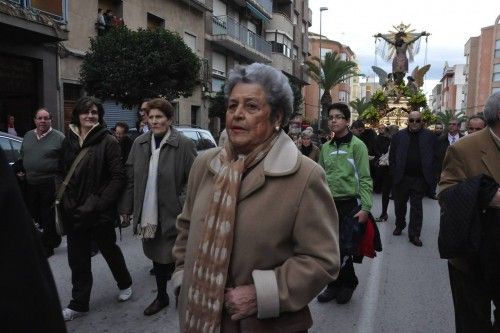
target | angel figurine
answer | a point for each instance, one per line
(400, 43)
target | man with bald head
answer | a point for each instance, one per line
(475, 124)
(412, 162)
(40, 154)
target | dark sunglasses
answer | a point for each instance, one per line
(418, 121)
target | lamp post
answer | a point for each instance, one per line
(321, 10)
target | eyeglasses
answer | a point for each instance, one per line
(336, 117)
(418, 121)
(91, 112)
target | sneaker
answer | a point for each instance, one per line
(69, 314)
(124, 294)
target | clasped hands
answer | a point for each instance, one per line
(240, 302)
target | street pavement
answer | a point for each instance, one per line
(403, 289)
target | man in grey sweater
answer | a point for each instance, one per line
(40, 153)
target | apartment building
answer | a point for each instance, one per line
(185, 17)
(243, 32)
(453, 88)
(482, 69)
(222, 33)
(29, 35)
(339, 93)
(435, 98)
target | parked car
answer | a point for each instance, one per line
(11, 145)
(203, 139)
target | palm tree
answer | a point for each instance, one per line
(328, 73)
(360, 105)
(447, 115)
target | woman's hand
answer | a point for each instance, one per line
(362, 216)
(241, 302)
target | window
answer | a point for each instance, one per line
(496, 73)
(295, 18)
(154, 22)
(343, 56)
(324, 52)
(497, 48)
(218, 64)
(494, 90)
(219, 8)
(303, 28)
(16, 149)
(280, 43)
(295, 54)
(54, 7)
(343, 96)
(5, 145)
(190, 41)
(207, 140)
(217, 84)
(195, 110)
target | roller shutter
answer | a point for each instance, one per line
(114, 113)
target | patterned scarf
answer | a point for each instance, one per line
(206, 294)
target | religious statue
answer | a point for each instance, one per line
(401, 47)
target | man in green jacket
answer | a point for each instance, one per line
(345, 160)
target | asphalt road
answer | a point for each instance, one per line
(403, 289)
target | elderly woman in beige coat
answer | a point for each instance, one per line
(258, 234)
(157, 171)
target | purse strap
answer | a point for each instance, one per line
(62, 188)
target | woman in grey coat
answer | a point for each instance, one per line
(157, 172)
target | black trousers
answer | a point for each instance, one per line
(163, 273)
(40, 201)
(347, 276)
(413, 189)
(80, 261)
(386, 186)
(471, 300)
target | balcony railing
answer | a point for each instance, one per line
(267, 5)
(55, 9)
(227, 26)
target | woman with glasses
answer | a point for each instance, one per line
(89, 202)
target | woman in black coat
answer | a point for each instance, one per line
(89, 202)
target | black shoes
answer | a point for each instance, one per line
(397, 231)
(382, 218)
(416, 241)
(158, 304)
(329, 294)
(345, 294)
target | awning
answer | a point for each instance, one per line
(257, 13)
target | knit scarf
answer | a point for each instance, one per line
(206, 293)
(149, 214)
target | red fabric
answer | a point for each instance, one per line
(366, 247)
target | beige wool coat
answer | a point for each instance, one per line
(475, 154)
(176, 157)
(285, 241)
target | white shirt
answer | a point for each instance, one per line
(39, 137)
(453, 138)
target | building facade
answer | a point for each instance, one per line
(176, 16)
(340, 92)
(29, 63)
(453, 88)
(482, 70)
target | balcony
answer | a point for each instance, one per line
(40, 21)
(200, 5)
(281, 22)
(309, 16)
(299, 72)
(282, 62)
(305, 43)
(227, 32)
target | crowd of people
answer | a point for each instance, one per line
(237, 259)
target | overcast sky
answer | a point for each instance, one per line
(451, 25)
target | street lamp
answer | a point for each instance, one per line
(321, 10)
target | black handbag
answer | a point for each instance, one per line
(60, 192)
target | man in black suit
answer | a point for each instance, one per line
(412, 163)
(446, 140)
